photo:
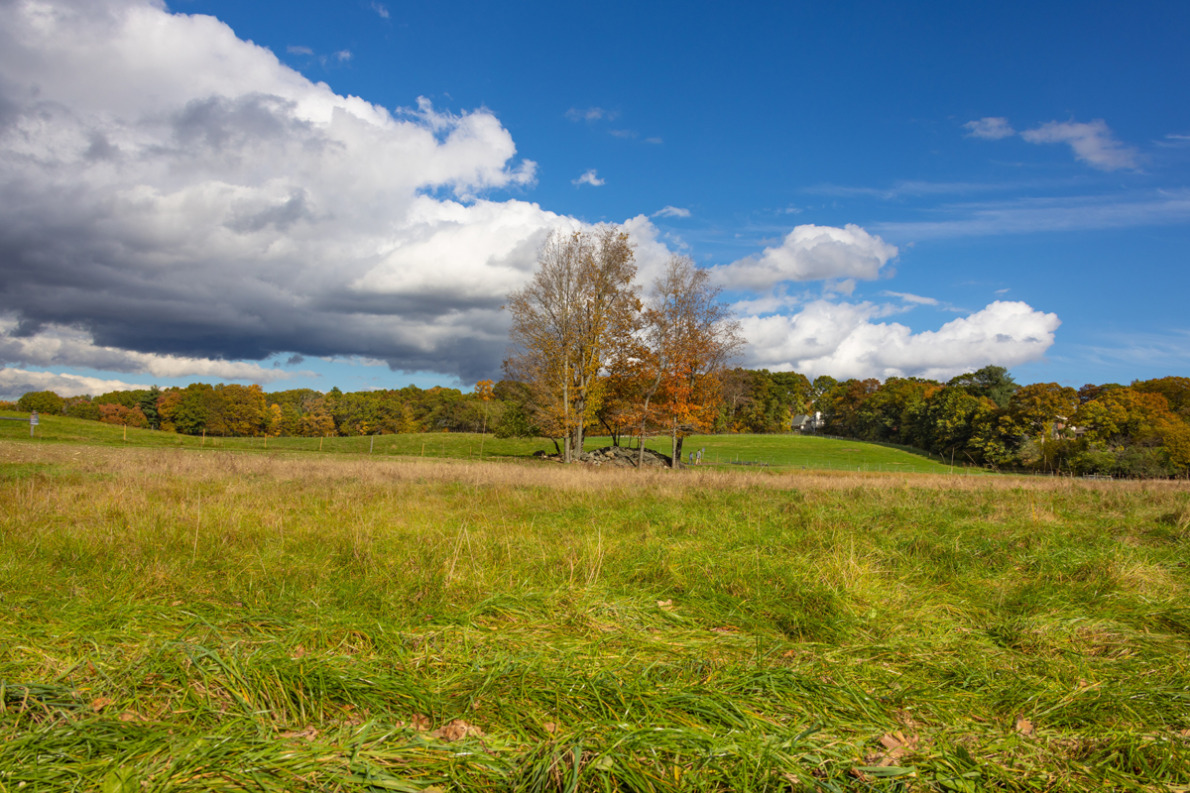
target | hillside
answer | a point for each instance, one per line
(767, 451)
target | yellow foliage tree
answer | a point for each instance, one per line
(565, 323)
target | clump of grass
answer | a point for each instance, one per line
(182, 621)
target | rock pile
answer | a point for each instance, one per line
(615, 455)
(627, 458)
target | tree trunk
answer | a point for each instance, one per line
(676, 447)
(644, 417)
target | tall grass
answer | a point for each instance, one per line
(231, 621)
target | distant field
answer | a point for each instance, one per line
(798, 451)
(230, 621)
(773, 451)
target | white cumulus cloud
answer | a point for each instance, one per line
(811, 253)
(589, 177)
(846, 340)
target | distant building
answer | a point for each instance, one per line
(807, 423)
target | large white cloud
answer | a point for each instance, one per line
(811, 253)
(844, 340)
(168, 189)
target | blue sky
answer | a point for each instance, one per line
(318, 194)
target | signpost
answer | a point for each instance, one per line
(33, 421)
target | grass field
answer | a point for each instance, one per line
(219, 620)
(771, 451)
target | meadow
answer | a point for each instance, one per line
(770, 451)
(221, 619)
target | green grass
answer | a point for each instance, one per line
(798, 452)
(232, 621)
(770, 451)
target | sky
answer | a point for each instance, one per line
(342, 193)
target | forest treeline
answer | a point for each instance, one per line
(981, 418)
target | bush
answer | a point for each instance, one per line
(42, 402)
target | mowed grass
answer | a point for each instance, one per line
(798, 452)
(217, 620)
(769, 451)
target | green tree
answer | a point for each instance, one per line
(42, 402)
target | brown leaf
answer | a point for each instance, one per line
(550, 727)
(896, 746)
(419, 722)
(665, 604)
(129, 715)
(1024, 727)
(100, 703)
(308, 734)
(456, 730)
(298, 652)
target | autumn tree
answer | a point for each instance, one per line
(565, 323)
(689, 338)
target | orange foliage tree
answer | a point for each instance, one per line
(689, 338)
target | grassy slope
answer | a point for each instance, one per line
(177, 621)
(780, 451)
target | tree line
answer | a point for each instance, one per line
(984, 418)
(981, 418)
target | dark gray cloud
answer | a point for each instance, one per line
(204, 202)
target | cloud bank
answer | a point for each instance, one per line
(846, 340)
(171, 190)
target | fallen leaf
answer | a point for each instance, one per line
(129, 715)
(550, 727)
(896, 746)
(1024, 727)
(419, 722)
(308, 734)
(665, 604)
(100, 703)
(456, 730)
